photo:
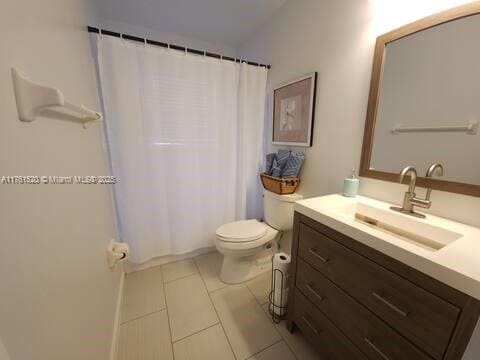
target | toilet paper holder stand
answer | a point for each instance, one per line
(277, 311)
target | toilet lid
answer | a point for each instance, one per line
(241, 231)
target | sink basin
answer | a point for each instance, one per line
(406, 228)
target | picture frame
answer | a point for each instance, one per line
(294, 111)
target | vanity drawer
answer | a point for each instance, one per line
(330, 343)
(370, 334)
(422, 317)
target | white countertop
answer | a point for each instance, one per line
(457, 264)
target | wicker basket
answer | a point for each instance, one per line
(279, 186)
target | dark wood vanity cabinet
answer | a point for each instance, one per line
(353, 302)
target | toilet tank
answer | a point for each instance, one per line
(278, 209)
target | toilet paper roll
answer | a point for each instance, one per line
(281, 261)
(281, 268)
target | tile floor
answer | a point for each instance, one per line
(183, 311)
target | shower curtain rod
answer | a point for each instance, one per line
(170, 46)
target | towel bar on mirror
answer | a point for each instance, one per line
(470, 129)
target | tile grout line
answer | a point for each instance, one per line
(289, 347)
(287, 344)
(144, 315)
(278, 332)
(213, 291)
(260, 305)
(261, 308)
(275, 326)
(198, 267)
(251, 291)
(218, 316)
(223, 329)
(168, 315)
(180, 278)
(268, 347)
(183, 276)
(196, 332)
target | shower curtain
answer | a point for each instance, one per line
(185, 137)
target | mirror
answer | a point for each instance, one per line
(424, 104)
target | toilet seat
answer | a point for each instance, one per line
(255, 235)
(242, 231)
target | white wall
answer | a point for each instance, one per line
(336, 38)
(331, 37)
(3, 352)
(57, 294)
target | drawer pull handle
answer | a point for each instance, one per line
(377, 350)
(389, 304)
(314, 292)
(310, 325)
(318, 256)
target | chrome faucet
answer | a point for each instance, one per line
(410, 199)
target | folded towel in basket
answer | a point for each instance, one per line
(275, 169)
(293, 165)
(269, 164)
(281, 162)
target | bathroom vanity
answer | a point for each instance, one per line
(360, 291)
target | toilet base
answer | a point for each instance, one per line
(236, 270)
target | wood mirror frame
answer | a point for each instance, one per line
(377, 72)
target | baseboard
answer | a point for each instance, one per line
(116, 321)
(162, 260)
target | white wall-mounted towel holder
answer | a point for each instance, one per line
(33, 98)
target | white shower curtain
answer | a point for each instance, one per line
(185, 135)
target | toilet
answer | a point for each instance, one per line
(248, 245)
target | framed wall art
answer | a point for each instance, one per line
(294, 111)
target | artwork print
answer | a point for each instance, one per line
(293, 112)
